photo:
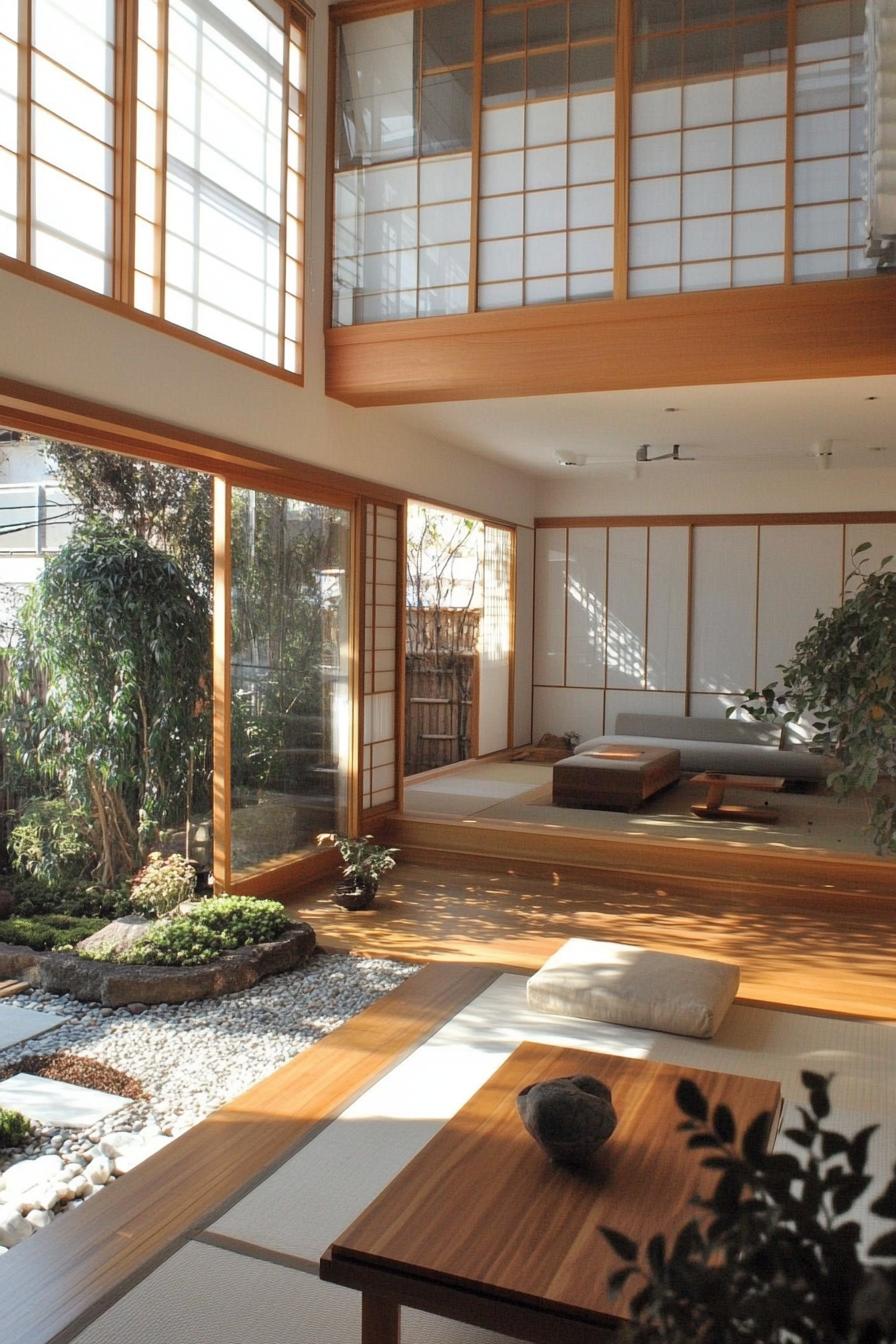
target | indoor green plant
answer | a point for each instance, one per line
(843, 675)
(364, 862)
(772, 1255)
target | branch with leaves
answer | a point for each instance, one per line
(772, 1256)
(843, 676)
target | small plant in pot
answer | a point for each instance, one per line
(364, 862)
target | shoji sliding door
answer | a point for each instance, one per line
(496, 640)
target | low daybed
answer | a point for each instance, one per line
(726, 746)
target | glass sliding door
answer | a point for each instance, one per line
(289, 664)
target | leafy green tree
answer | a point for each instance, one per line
(119, 636)
(167, 506)
(843, 675)
(288, 591)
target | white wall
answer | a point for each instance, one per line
(676, 628)
(685, 488)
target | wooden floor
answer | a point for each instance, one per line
(828, 954)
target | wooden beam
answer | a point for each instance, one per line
(222, 626)
(833, 329)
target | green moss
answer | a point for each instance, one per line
(15, 1130)
(47, 932)
(221, 924)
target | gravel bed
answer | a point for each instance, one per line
(190, 1058)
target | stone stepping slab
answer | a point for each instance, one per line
(20, 1024)
(63, 1104)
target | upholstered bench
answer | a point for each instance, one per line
(614, 776)
(635, 987)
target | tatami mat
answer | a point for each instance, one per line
(307, 1202)
(204, 1295)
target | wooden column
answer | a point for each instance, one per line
(221, 702)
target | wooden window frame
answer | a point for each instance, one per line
(120, 301)
(626, 42)
(53, 415)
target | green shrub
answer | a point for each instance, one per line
(163, 884)
(49, 842)
(34, 897)
(47, 933)
(15, 1130)
(219, 925)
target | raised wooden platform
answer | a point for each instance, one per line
(609, 856)
(814, 950)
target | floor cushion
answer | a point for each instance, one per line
(634, 987)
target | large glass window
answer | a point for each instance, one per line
(290, 710)
(163, 167)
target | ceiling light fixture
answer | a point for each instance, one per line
(642, 454)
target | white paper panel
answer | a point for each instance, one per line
(500, 173)
(495, 641)
(546, 122)
(724, 608)
(799, 572)
(585, 606)
(558, 710)
(546, 290)
(667, 609)
(550, 603)
(655, 280)
(522, 674)
(592, 114)
(626, 606)
(503, 128)
(641, 702)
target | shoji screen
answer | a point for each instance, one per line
(830, 141)
(675, 618)
(401, 240)
(381, 598)
(495, 640)
(547, 153)
(709, 134)
(524, 569)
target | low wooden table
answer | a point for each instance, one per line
(614, 776)
(716, 784)
(481, 1227)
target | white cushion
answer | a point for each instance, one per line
(634, 987)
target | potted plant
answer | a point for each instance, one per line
(772, 1255)
(843, 675)
(364, 862)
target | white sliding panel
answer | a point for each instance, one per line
(667, 609)
(586, 624)
(626, 606)
(379, 753)
(883, 543)
(495, 638)
(550, 606)
(799, 573)
(522, 654)
(558, 710)
(724, 609)
(642, 702)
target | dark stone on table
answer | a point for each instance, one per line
(569, 1117)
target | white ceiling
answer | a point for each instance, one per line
(723, 425)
